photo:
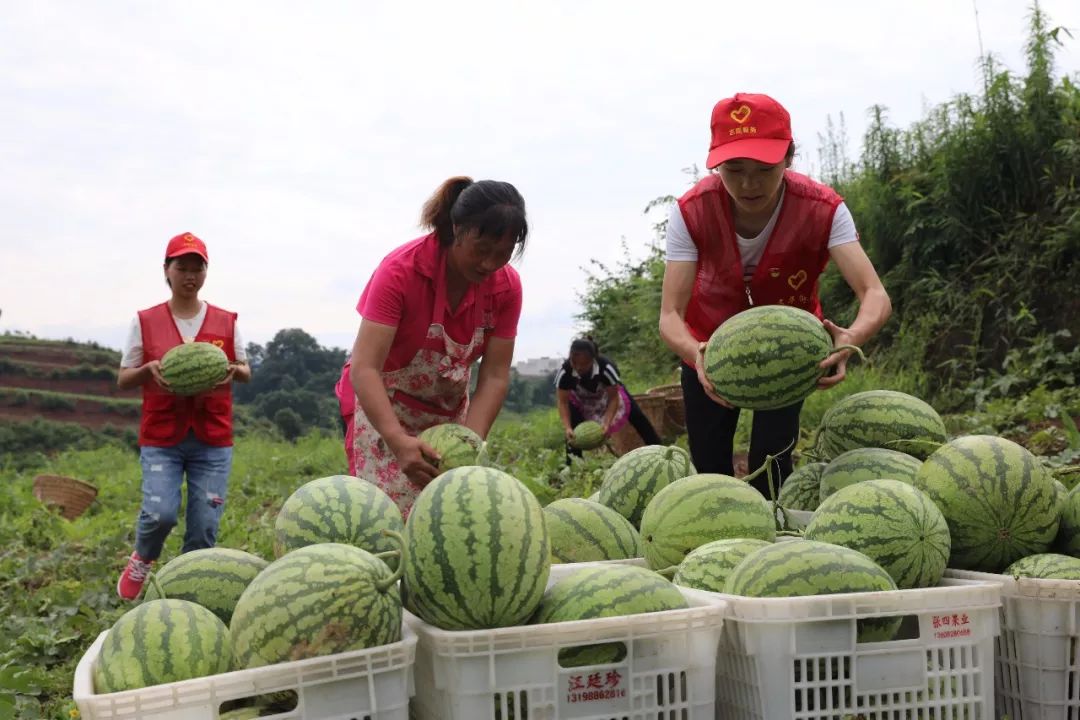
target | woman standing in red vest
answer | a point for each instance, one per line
(431, 309)
(756, 233)
(180, 435)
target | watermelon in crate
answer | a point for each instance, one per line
(698, 509)
(338, 509)
(998, 499)
(193, 368)
(863, 464)
(162, 641)
(708, 566)
(212, 577)
(891, 522)
(317, 600)
(630, 483)
(880, 418)
(586, 531)
(478, 551)
(802, 488)
(768, 357)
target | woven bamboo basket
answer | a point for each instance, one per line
(674, 409)
(654, 407)
(625, 440)
(68, 495)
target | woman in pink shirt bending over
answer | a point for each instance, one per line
(432, 308)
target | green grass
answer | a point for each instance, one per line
(45, 394)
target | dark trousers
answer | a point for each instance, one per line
(711, 430)
(637, 419)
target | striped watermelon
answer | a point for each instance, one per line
(1068, 537)
(891, 522)
(457, 445)
(585, 531)
(1047, 566)
(794, 569)
(479, 552)
(212, 577)
(698, 509)
(999, 501)
(195, 367)
(318, 600)
(880, 418)
(598, 592)
(767, 357)
(708, 566)
(162, 641)
(630, 483)
(341, 509)
(588, 435)
(862, 464)
(801, 490)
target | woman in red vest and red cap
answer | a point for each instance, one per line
(754, 232)
(180, 435)
(432, 308)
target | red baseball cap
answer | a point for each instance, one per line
(749, 126)
(186, 244)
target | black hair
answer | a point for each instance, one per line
(586, 345)
(490, 207)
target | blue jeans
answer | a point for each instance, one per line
(163, 470)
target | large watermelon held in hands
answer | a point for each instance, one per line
(479, 552)
(338, 509)
(317, 600)
(630, 483)
(588, 435)
(708, 566)
(880, 418)
(999, 501)
(586, 531)
(802, 488)
(212, 577)
(891, 522)
(598, 592)
(698, 509)
(767, 357)
(457, 445)
(795, 569)
(195, 367)
(855, 466)
(162, 641)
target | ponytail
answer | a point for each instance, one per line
(436, 212)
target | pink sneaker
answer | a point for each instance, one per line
(133, 578)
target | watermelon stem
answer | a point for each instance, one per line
(388, 554)
(668, 572)
(403, 554)
(854, 348)
(157, 586)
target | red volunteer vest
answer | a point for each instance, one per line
(167, 418)
(788, 272)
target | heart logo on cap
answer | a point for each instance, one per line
(741, 115)
(796, 281)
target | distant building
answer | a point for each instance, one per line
(538, 367)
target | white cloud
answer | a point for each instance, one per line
(300, 140)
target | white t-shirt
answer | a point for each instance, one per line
(188, 327)
(680, 246)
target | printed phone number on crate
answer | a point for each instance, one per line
(587, 695)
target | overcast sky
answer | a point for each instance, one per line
(299, 140)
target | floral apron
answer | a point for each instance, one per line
(432, 389)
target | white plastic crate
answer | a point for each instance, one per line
(1037, 668)
(373, 684)
(513, 673)
(798, 658)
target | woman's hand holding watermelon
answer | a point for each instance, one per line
(154, 368)
(412, 455)
(699, 363)
(840, 336)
